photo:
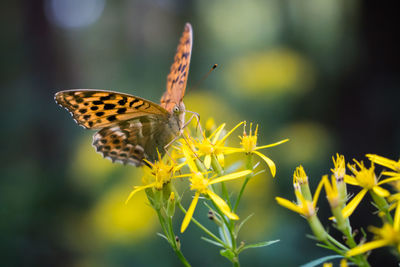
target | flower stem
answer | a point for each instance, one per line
(169, 233)
(248, 167)
(383, 206)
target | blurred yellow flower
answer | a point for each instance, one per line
(388, 235)
(339, 169)
(300, 176)
(391, 164)
(113, 222)
(332, 192)
(275, 71)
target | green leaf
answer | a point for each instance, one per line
(212, 241)
(321, 260)
(227, 254)
(260, 244)
(163, 236)
(242, 223)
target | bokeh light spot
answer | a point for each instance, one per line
(74, 13)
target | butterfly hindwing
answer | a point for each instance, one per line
(177, 77)
(132, 141)
(94, 109)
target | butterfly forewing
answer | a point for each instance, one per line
(177, 77)
(94, 109)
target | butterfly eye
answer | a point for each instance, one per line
(176, 109)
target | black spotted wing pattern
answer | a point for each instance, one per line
(95, 109)
(132, 141)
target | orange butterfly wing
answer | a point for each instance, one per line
(96, 109)
(177, 77)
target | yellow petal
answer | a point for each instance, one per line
(207, 161)
(231, 176)
(217, 133)
(189, 213)
(383, 161)
(388, 173)
(222, 205)
(366, 247)
(350, 180)
(380, 191)
(189, 159)
(230, 132)
(348, 210)
(137, 189)
(317, 192)
(274, 144)
(388, 180)
(269, 162)
(288, 204)
(396, 222)
(220, 158)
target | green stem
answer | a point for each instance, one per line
(337, 243)
(230, 227)
(169, 233)
(182, 258)
(248, 167)
(382, 205)
(162, 223)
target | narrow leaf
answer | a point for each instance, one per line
(242, 223)
(163, 236)
(260, 244)
(321, 261)
(212, 241)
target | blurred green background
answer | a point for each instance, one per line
(323, 73)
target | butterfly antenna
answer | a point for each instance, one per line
(205, 76)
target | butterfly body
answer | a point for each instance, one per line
(131, 128)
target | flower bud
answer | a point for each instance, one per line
(171, 205)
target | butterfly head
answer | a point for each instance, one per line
(178, 112)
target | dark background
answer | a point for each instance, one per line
(323, 73)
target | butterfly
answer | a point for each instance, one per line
(131, 128)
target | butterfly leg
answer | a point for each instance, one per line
(194, 115)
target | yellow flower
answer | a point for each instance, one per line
(327, 264)
(201, 184)
(332, 192)
(388, 163)
(366, 179)
(300, 176)
(340, 167)
(161, 173)
(210, 146)
(388, 235)
(303, 207)
(343, 263)
(249, 146)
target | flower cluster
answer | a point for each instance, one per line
(359, 175)
(200, 160)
